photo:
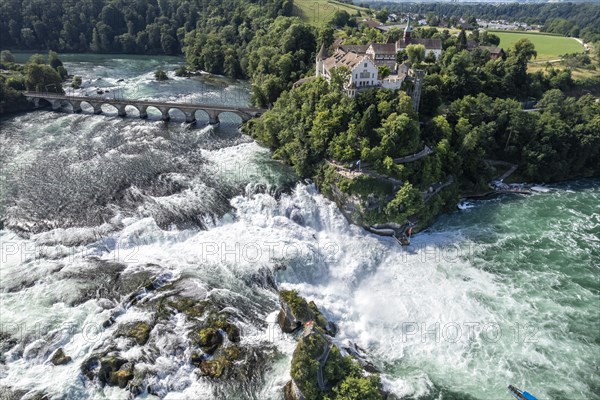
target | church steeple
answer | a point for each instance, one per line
(407, 30)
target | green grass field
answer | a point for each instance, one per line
(548, 47)
(319, 12)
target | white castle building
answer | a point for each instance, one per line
(363, 61)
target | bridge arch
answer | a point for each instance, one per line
(153, 111)
(176, 113)
(108, 106)
(87, 106)
(134, 111)
(210, 116)
(231, 117)
(201, 115)
(67, 105)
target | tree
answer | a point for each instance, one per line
(407, 202)
(431, 99)
(76, 84)
(339, 78)
(462, 39)
(359, 388)
(62, 72)
(7, 57)
(41, 77)
(160, 75)
(53, 59)
(489, 39)
(383, 71)
(340, 18)
(36, 59)
(399, 134)
(524, 49)
(95, 46)
(325, 36)
(401, 56)
(231, 64)
(382, 15)
(415, 53)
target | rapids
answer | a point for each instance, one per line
(503, 293)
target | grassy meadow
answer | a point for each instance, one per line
(548, 47)
(319, 12)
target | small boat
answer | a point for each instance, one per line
(464, 205)
(520, 394)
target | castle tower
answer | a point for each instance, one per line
(407, 31)
(320, 57)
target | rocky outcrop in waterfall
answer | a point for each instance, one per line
(320, 367)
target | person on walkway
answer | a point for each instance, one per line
(358, 165)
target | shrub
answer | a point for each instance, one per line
(160, 75)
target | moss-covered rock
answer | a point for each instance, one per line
(305, 364)
(342, 376)
(121, 377)
(139, 331)
(193, 309)
(212, 368)
(295, 312)
(59, 357)
(209, 339)
(219, 321)
(108, 366)
(220, 365)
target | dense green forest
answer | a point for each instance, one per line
(568, 19)
(470, 111)
(237, 38)
(130, 26)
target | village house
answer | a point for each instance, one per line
(432, 46)
(495, 52)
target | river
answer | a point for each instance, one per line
(503, 293)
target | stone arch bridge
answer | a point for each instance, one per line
(57, 101)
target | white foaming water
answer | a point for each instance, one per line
(442, 318)
(425, 313)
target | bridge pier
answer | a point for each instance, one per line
(55, 104)
(213, 117)
(121, 110)
(76, 106)
(190, 115)
(165, 114)
(143, 111)
(97, 108)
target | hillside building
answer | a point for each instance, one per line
(432, 46)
